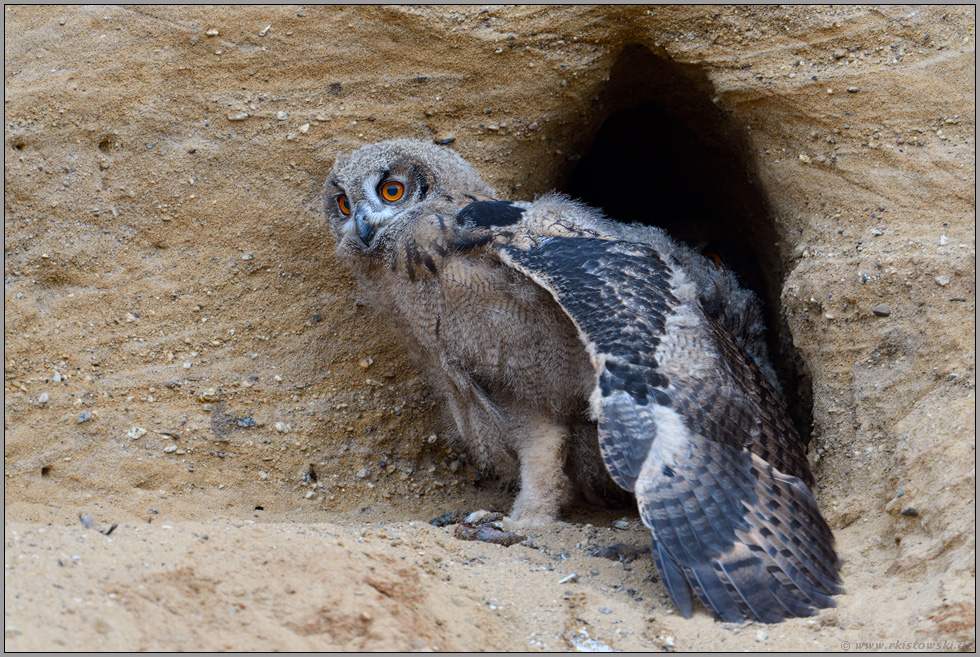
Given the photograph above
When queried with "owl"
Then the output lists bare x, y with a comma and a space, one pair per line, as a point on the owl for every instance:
584, 361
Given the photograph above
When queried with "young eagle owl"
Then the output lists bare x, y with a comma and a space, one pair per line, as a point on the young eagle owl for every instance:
584, 358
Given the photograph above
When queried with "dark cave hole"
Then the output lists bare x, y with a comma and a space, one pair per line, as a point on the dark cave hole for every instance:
664, 154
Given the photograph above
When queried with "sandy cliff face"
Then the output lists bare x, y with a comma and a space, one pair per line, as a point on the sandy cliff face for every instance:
184, 357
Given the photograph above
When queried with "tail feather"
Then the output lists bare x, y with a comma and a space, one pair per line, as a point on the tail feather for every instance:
674, 581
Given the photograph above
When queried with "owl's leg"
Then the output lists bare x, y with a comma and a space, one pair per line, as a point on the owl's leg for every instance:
544, 485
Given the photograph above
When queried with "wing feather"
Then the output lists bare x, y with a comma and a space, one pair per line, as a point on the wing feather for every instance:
674, 580
719, 473
804, 569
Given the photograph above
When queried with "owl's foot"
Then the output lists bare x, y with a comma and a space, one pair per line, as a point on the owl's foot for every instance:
514, 523
544, 484
532, 510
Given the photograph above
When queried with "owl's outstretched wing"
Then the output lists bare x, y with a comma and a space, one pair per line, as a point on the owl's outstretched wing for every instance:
688, 423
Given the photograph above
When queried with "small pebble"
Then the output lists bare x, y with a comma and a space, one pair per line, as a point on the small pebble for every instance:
910, 511
761, 636
877, 231
136, 433
881, 311
84, 416
265, 31
361, 474
304, 128
212, 32
170, 448
942, 281
209, 395
281, 115
241, 116
442, 140
57, 377
621, 524
366, 362
43, 398
605, 610
853, 90
282, 427
569, 578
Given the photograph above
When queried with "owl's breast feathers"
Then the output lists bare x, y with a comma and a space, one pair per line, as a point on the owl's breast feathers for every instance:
685, 418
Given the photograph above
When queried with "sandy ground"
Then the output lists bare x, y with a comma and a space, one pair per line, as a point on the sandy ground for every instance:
184, 361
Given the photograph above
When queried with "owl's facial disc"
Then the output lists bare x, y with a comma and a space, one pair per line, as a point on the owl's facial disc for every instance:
371, 194
383, 199
368, 222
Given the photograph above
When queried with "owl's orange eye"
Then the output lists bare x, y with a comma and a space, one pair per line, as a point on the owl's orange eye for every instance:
344, 204
392, 190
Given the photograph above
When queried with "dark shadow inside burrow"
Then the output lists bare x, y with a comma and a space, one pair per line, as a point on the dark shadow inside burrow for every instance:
664, 153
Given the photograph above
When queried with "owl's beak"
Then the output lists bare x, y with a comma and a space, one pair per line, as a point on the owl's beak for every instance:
364, 230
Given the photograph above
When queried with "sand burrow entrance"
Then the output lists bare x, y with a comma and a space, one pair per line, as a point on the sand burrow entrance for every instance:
663, 153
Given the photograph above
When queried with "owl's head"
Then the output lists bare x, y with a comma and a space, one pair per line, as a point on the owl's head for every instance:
372, 194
